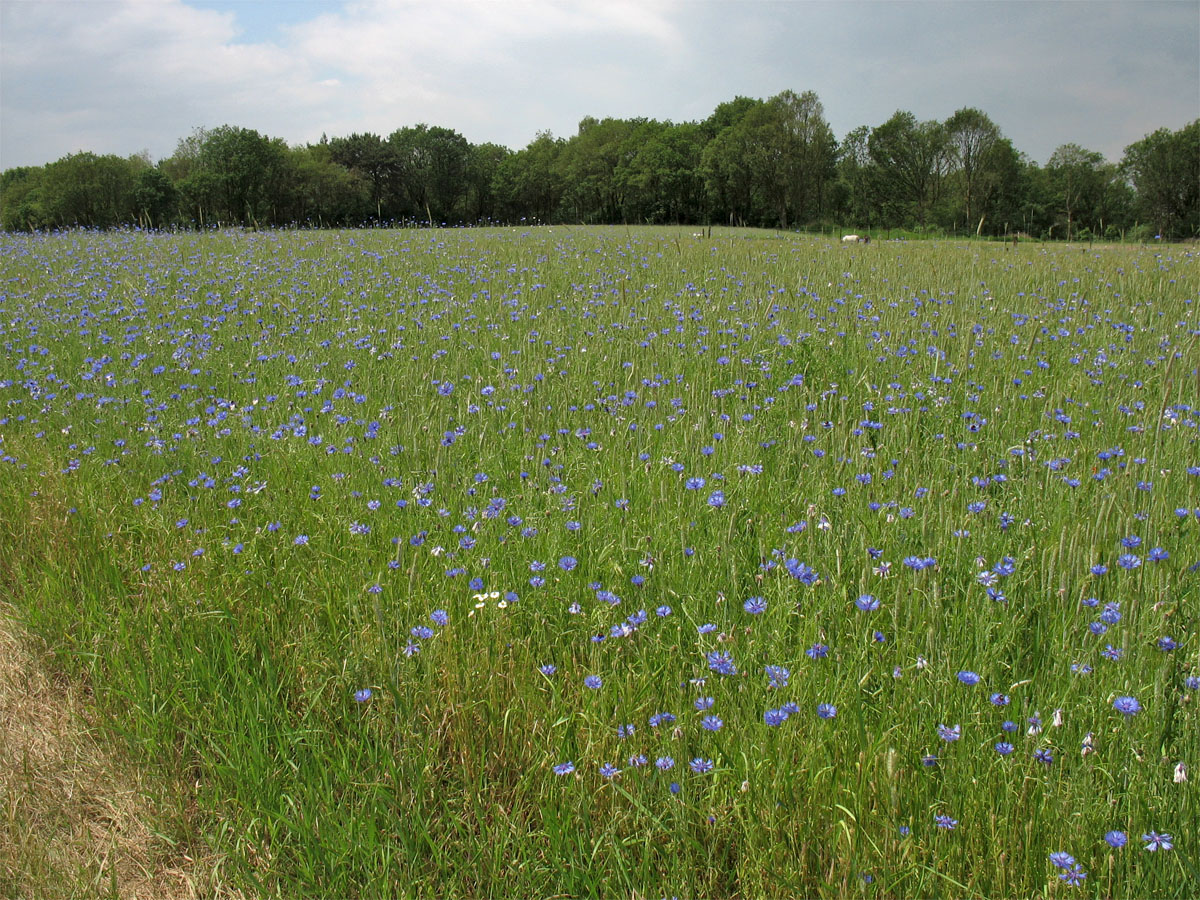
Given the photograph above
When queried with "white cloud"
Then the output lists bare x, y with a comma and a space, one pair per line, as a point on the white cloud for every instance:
116, 76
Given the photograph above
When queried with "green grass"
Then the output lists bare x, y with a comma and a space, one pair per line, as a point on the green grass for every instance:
236, 672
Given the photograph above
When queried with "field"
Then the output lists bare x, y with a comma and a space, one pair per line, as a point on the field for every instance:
621, 562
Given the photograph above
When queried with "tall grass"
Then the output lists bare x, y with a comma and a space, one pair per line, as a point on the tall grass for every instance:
241, 472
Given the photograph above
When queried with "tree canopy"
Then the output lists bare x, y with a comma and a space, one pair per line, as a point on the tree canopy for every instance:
773, 162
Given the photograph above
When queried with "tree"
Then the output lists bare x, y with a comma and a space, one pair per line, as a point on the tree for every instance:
154, 198
482, 165
806, 154
431, 168
971, 136
20, 198
371, 158
87, 190
240, 177
910, 162
529, 184
856, 179
1076, 181
663, 177
1164, 168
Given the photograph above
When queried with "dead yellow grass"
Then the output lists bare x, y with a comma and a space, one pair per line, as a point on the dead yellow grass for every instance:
76, 818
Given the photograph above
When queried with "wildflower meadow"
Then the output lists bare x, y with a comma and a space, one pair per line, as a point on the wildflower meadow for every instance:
617, 561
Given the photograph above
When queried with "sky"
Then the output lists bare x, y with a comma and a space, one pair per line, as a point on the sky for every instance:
132, 76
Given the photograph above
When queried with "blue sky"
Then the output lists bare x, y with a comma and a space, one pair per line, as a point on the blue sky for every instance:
125, 76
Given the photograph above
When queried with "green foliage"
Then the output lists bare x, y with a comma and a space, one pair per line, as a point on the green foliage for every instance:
769, 163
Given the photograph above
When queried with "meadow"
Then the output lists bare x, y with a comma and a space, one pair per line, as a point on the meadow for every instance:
623, 562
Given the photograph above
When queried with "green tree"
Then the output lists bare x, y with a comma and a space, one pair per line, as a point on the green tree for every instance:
910, 159
1164, 168
20, 198
87, 190
431, 169
154, 198
663, 178
1076, 180
372, 158
971, 137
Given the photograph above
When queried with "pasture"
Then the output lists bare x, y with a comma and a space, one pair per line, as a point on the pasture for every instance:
622, 562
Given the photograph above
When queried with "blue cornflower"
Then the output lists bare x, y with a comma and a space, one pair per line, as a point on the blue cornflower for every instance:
1062, 860
999, 699
1004, 748
1129, 560
1044, 755
593, 682
817, 651
707, 628
712, 723
1073, 876
1155, 841
700, 766
674, 787
662, 612
301, 540
439, 617
716, 499
1116, 839
777, 676
608, 770
775, 717
564, 768
567, 563
867, 603
363, 695
949, 733
826, 710
1166, 644
721, 663
663, 763
968, 678
694, 483
548, 669
755, 606
1099, 569
703, 703
1127, 706
421, 632
944, 821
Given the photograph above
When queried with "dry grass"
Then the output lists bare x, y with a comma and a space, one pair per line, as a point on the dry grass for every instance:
76, 818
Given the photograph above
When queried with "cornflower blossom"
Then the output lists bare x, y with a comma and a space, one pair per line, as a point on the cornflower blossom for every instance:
826, 710
867, 603
1116, 839
1155, 841
1073, 876
755, 606
944, 821
721, 663
564, 768
949, 734
1127, 706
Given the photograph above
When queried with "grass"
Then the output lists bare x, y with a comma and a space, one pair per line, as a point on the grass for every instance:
243, 471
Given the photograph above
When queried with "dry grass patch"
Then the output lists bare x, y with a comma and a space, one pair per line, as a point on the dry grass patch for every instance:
77, 819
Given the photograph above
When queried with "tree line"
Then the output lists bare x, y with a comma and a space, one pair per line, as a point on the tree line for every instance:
772, 163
